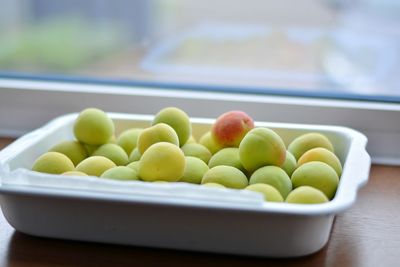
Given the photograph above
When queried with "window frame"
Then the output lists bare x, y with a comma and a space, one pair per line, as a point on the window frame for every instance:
26, 104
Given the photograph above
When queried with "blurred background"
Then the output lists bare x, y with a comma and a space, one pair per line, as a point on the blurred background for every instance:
312, 47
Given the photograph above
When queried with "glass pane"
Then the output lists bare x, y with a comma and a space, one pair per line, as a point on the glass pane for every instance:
312, 47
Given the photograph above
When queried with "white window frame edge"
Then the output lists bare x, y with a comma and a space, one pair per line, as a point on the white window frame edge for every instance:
26, 105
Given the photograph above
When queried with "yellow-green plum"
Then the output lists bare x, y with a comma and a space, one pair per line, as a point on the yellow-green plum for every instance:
261, 147
191, 140
273, 176
120, 173
318, 175
90, 148
227, 156
306, 195
93, 127
134, 166
227, 176
162, 161
95, 165
74, 173
213, 185
198, 151
128, 139
229, 128
308, 141
207, 140
113, 140
160, 132
53, 163
324, 155
113, 152
195, 169
290, 164
74, 150
135, 155
269, 192
178, 120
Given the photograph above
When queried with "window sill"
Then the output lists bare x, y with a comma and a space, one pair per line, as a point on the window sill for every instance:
26, 105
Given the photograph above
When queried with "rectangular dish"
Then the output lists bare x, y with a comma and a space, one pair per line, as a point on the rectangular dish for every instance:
175, 215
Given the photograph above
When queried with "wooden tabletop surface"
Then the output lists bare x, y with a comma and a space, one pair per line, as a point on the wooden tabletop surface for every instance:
367, 234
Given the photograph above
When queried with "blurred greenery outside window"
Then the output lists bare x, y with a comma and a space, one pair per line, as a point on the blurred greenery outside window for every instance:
306, 46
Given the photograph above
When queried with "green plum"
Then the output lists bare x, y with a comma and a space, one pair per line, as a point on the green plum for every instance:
95, 165
128, 139
308, 141
162, 161
290, 164
273, 176
260, 147
191, 140
134, 165
178, 120
113, 152
160, 132
227, 156
208, 141
195, 169
227, 176
317, 174
122, 173
324, 155
198, 151
74, 150
93, 127
135, 155
269, 192
306, 195
53, 163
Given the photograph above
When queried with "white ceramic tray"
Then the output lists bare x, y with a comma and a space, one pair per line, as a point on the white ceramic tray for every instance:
174, 215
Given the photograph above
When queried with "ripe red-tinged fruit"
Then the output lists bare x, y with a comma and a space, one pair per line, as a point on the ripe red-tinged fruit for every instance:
230, 128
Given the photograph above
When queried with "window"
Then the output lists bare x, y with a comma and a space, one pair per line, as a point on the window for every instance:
307, 61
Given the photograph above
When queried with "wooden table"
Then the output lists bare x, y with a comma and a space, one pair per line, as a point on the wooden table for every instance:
368, 234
